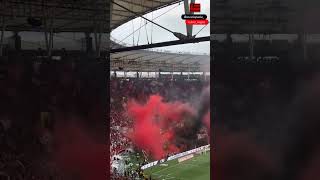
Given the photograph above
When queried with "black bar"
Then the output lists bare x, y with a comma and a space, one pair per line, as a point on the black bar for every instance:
162, 44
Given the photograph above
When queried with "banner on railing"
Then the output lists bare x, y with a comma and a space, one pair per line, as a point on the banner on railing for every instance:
176, 156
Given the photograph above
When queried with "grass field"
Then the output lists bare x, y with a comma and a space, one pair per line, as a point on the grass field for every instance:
197, 168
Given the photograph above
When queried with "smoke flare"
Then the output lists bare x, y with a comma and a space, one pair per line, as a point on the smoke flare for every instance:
154, 122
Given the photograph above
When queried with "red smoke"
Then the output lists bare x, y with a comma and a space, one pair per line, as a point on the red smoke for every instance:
77, 155
153, 123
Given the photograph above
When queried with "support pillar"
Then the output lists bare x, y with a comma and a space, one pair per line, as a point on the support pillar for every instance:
229, 39
305, 47
302, 46
251, 46
49, 37
17, 41
88, 40
303, 42
188, 71
172, 72
97, 39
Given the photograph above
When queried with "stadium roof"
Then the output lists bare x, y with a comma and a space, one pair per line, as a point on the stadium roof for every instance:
83, 15
141, 7
143, 60
67, 15
74, 15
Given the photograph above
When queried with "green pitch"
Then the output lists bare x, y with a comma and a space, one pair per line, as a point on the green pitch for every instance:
197, 168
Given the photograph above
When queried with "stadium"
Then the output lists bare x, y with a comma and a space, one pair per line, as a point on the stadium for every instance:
159, 93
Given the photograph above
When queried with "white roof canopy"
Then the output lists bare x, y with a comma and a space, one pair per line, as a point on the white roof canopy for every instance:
145, 60
142, 60
121, 16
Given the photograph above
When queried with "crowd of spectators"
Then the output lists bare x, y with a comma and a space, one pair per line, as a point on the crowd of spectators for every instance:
119, 140
139, 89
36, 94
253, 99
264, 108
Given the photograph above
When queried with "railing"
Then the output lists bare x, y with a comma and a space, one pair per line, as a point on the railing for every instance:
176, 156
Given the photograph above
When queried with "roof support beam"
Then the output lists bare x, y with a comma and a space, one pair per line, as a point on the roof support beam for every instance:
139, 15
162, 44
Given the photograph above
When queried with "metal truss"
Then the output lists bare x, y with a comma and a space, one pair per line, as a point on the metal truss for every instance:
162, 44
69, 16
154, 66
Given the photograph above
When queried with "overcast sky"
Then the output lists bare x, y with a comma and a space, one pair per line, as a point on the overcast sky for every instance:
171, 20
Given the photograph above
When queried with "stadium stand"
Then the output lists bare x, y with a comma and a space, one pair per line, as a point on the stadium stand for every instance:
45, 80
35, 97
45, 83
123, 89
137, 74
